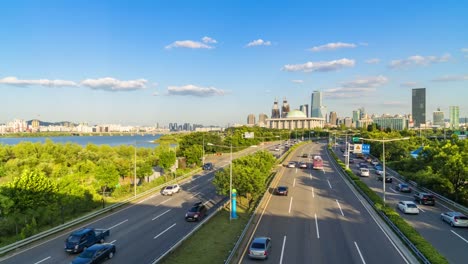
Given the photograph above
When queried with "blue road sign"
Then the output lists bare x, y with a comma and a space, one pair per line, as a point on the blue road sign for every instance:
365, 149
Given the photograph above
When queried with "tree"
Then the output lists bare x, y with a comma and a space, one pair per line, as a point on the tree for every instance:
167, 159
107, 176
193, 154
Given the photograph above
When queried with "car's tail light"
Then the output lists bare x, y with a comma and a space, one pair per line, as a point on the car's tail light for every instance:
455, 219
265, 253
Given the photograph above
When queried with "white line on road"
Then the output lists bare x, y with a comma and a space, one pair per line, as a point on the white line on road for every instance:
112, 242
192, 187
161, 215
118, 224
329, 184
392, 190
49, 258
359, 251
459, 236
290, 205
445, 206
164, 231
166, 200
316, 226
313, 195
421, 209
195, 195
296, 170
294, 182
339, 206
282, 250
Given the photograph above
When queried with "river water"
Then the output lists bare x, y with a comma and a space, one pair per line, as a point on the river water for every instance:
139, 140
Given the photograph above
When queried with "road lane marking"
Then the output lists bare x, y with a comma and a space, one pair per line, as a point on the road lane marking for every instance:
112, 242
421, 209
42, 260
160, 215
393, 190
282, 250
290, 205
195, 195
339, 206
313, 195
165, 231
459, 236
296, 170
192, 187
118, 224
316, 226
445, 207
294, 182
329, 184
359, 251
166, 200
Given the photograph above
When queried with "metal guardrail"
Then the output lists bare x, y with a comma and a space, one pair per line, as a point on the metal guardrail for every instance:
176, 245
400, 234
86, 217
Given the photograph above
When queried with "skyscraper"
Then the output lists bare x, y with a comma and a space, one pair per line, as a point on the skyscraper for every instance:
454, 113
251, 119
275, 112
316, 107
438, 117
262, 119
285, 108
419, 106
333, 118
305, 108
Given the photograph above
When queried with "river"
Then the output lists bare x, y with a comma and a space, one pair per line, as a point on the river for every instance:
141, 140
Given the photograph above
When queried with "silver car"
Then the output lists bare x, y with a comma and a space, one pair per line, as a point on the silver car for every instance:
455, 219
260, 248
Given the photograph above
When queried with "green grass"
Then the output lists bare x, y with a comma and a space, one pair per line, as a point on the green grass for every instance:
212, 242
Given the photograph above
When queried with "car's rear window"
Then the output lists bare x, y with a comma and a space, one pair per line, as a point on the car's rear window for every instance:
461, 217
429, 196
282, 188
404, 186
258, 245
411, 205
73, 239
168, 187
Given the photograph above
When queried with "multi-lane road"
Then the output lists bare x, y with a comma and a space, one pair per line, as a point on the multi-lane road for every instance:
451, 242
322, 220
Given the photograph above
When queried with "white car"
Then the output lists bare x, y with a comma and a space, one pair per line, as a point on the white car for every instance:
454, 219
364, 172
408, 207
171, 189
292, 164
303, 165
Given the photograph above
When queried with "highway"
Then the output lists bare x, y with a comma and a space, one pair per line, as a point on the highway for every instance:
322, 220
141, 232
452, 242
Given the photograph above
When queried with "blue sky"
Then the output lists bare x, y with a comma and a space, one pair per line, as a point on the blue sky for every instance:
215, 62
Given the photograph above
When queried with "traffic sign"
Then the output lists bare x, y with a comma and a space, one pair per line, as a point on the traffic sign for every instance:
366, 149
357, 148
355, 139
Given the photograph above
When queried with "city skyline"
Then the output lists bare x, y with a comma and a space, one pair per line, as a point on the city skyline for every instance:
146, 63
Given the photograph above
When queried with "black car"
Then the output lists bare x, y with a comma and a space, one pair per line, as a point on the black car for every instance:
208, 166
281, 190
197, 212
95, 254
388, 178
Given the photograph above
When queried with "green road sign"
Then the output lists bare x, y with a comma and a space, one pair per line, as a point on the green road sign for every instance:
355, 139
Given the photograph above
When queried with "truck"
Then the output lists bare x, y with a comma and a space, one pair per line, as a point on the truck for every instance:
83, 238
318, 163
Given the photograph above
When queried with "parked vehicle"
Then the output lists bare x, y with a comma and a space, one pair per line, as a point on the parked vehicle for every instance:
95, 254
196, 212
408, 207
208, 166
318, 163
364, 172
455, 219
281, 190
403, 188
260, 248
171, 189
424, 198
85, 238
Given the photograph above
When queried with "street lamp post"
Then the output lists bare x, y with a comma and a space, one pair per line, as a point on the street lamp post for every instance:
383, 158
134, 174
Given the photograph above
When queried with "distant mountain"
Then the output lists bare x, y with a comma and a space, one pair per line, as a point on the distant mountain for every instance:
44, 123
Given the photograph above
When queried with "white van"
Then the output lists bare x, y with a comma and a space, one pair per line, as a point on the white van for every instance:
365, 172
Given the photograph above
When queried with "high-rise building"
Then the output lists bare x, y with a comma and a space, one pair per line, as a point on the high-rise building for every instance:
356, 116
275, 112
392, 122
333, 118
262, 119
454, 113
284, 108
438, 118
305, 108
316, 107
251, 119
419, 106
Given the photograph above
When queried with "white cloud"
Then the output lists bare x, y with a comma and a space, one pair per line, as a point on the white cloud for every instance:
297, 81
349, 90
320, 66
395, 103
258, 42
40, 82
464, 50
419, 60
366, 82
206, 39
193, 90
333, 46
190, 44
409, 84
373, 61
111, 84
156, 93
451, 78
